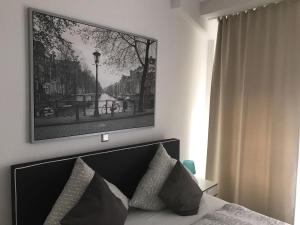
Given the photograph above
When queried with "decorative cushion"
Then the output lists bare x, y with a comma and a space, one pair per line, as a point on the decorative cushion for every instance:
146, 194
190, 165
118, 193
180, 192
77, 183
97, 206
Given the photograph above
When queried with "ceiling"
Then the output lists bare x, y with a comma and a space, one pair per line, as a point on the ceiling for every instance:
215, 8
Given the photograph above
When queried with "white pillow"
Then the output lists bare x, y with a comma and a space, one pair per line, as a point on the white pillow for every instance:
146, 194
76, 185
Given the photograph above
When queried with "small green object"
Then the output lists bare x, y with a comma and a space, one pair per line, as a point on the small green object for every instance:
190, 165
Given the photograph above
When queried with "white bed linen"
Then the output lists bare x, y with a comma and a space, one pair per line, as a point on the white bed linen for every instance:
208, 204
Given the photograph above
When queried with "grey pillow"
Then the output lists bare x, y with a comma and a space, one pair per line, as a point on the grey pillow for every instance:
118, 193
180, 192
146, 194
76, 185
97, 206
78, 181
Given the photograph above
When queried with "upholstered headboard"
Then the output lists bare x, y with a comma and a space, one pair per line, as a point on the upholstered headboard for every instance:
36, 185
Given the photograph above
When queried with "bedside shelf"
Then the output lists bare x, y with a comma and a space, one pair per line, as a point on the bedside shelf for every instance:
207, 186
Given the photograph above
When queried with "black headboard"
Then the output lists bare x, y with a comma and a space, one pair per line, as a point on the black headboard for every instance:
36, 185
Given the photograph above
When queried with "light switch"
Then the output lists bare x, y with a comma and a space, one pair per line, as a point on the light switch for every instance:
104, 137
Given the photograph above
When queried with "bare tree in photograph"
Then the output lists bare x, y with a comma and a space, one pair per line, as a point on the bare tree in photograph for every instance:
123, 49
50, 44
48, 30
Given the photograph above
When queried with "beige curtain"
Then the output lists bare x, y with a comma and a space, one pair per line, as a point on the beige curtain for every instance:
254, 115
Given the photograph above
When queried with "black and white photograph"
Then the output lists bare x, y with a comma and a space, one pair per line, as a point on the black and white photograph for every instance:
88, 79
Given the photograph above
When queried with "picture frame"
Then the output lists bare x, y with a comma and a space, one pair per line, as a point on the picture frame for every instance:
73, 63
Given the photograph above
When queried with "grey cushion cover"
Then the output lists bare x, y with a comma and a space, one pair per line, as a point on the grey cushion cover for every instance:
97, 206
146, 194
180, 192
78, 181
76, 185
118, 193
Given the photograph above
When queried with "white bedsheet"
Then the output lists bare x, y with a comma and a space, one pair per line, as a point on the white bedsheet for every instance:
208, 204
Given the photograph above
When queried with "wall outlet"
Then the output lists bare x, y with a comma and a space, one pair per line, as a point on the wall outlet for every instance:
104, 137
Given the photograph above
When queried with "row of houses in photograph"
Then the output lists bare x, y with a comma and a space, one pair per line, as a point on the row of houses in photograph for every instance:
58, 79
129, 86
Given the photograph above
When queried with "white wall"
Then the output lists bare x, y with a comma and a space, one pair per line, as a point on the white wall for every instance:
181, 76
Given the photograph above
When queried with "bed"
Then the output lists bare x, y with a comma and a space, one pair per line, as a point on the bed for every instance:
36, 185
208, 204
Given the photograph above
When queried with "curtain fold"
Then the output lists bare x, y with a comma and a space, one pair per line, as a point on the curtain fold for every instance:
254, 110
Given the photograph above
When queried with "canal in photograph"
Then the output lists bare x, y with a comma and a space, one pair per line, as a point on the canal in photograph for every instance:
103, 100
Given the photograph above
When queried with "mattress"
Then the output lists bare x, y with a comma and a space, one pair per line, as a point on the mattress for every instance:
208, 204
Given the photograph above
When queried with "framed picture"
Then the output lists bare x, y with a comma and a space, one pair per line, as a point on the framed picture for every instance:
88, 79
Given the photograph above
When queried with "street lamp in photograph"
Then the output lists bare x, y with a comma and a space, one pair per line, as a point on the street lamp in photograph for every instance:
96, 57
